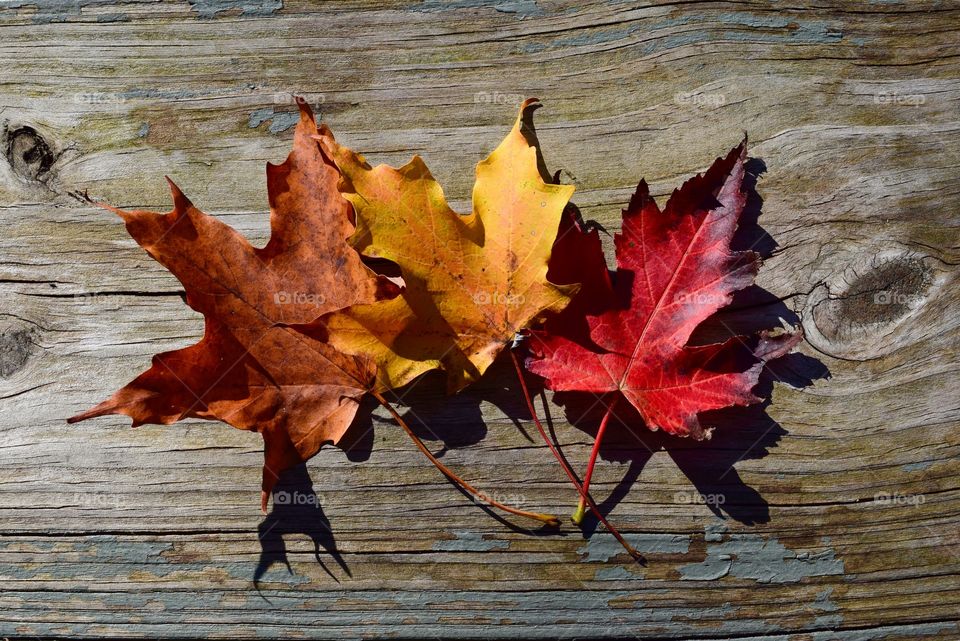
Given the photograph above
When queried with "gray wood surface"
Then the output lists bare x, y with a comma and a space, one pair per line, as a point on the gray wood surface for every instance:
831, 513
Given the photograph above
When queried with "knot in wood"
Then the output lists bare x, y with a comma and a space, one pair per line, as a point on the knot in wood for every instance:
28, 153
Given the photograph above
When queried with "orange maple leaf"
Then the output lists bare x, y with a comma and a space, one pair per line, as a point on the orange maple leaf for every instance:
250, 370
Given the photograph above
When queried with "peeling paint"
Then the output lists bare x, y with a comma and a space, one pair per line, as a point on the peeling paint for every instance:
597, 37
160, 94
248, 8
112, 17
757, 28
909, 631
615, 573
144, 130
469, 542
279, 121
603, 547
288, 613
282, 613
823, 602
749, 556
714, 532
521, 8
919, 466
260, 116
50, 11
828, 621
99, 557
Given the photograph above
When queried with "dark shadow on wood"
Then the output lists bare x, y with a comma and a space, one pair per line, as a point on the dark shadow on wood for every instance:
455, 421
627, 440
750, 235
357, 442
741, 433
296, 510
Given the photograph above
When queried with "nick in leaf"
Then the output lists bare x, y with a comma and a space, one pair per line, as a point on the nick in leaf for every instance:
625, 338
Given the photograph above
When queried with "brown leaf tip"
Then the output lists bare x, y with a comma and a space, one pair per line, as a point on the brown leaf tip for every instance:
180, 200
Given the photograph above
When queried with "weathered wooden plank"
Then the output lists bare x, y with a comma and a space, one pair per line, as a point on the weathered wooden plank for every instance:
830, 514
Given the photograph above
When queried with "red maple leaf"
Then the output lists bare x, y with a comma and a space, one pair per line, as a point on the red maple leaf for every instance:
627, 336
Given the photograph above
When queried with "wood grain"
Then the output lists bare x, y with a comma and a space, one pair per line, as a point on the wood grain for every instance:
830, 513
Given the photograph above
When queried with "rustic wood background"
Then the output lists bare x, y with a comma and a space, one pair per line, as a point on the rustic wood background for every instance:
831, 513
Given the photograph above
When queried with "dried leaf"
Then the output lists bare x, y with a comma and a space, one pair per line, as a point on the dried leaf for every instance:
471, 281
248, 370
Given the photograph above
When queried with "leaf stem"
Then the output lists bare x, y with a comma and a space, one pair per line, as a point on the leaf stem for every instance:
578, 513
581, 489
548, 519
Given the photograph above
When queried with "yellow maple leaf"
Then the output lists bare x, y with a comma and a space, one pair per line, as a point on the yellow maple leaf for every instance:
472, 281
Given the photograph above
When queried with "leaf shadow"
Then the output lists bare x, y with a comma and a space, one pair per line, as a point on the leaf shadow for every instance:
741, 434
457, 421
296, 510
